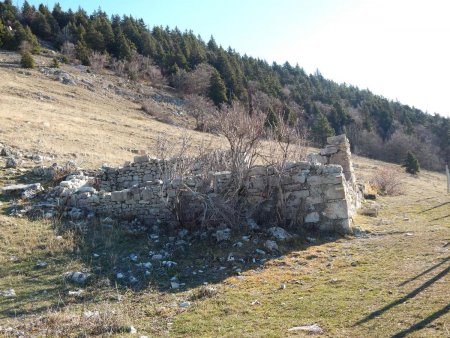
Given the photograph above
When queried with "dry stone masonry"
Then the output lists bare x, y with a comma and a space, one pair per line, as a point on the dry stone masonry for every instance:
320, 193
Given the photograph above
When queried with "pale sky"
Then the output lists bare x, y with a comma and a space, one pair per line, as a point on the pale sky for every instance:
398, 49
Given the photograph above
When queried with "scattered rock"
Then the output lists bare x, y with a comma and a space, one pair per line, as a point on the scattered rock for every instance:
261, 252
5, 152
157, 257
169, 264
8, 293
256, 302
77, 293
223, 235
185, 305
174, 285
78, 277
314, 328
41, 264
21, 188
279, 233
271, 245
252, 225
91, 314
12, 162
132, 330
120, 275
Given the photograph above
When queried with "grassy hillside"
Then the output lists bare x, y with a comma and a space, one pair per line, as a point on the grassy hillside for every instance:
93, 122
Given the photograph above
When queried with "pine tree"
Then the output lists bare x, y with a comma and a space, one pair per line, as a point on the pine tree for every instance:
411, 164
321, 130
217, 90
2, 33
27, 60
82, 52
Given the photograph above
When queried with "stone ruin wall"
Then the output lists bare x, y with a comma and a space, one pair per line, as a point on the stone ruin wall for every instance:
320, 193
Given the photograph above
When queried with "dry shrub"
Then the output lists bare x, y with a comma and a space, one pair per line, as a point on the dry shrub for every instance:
202, 109
153, 109
194, 82
97, 61
90, 323
68, 49
387, 182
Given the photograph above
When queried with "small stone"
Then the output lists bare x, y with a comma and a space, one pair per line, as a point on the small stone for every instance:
157, 257
8, 293
185, 305
76, 293
261, 252
78, 277
307, 328
174, 285
279, 233
120, 275
223, 235
91, 314
271, 245
12, 162
252, 225
133, 257
132, 330
41, 264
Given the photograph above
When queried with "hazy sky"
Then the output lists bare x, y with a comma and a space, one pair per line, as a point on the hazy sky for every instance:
396, 48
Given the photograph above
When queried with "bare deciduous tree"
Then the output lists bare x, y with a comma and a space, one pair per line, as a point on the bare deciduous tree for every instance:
201, 109
244, 133
194, 82
68, 49
97, 61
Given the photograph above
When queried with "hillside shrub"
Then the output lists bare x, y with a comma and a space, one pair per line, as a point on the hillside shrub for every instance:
411, 164
387, 181
27, 60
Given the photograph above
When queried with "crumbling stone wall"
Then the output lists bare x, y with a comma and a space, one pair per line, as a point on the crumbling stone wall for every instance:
320, 193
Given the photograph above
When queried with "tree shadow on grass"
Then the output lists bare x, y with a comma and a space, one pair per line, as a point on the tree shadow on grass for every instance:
420, 325
410, 295
426, 271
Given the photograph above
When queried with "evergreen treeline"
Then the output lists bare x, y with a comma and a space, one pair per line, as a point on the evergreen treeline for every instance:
376, 127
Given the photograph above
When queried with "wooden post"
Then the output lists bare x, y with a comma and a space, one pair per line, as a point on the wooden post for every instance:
448, 178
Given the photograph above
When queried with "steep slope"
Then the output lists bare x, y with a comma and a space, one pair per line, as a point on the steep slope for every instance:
91, 122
